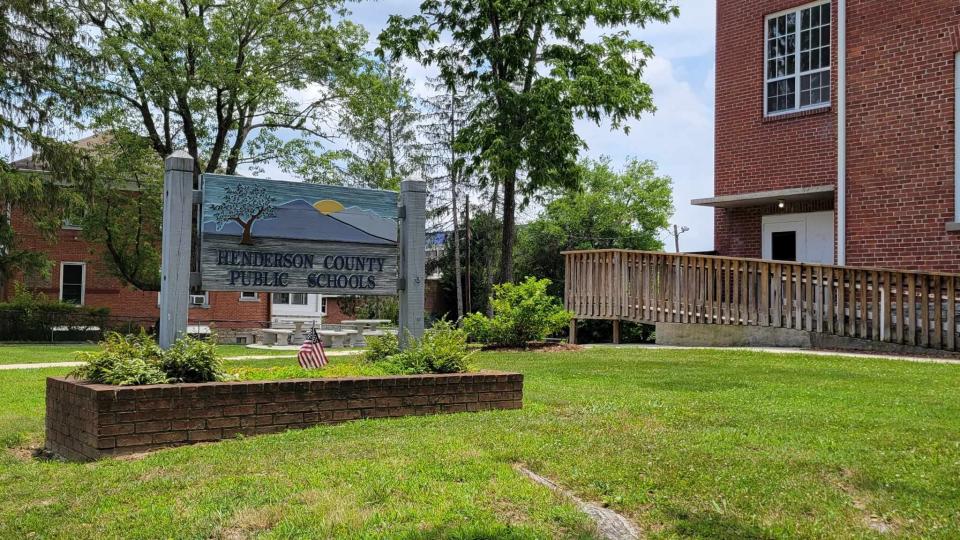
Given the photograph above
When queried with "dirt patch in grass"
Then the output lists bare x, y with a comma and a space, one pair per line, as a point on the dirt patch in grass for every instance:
249, 522
860, 501
31, 452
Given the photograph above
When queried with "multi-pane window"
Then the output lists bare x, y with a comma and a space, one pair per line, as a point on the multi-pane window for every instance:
71, 283
291, 299
797, 56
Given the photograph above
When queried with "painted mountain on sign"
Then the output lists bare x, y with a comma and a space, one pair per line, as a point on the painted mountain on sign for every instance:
301, 220
369, 221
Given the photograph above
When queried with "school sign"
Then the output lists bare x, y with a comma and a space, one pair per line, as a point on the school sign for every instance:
267, 235
263, 235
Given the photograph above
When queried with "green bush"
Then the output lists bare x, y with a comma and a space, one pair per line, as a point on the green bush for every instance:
32, 316
192, 360
442, 349
379, 348
128, 360
123, 360
522, 313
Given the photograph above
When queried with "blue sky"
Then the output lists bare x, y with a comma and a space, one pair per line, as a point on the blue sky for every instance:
679, 137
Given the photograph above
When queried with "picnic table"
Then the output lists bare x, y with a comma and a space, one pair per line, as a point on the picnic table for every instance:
333, 338
297, 337
364, 327
272, 336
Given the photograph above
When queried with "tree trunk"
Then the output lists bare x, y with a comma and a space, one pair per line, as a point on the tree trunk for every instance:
509, 227
247, 239
457, 270
488, 291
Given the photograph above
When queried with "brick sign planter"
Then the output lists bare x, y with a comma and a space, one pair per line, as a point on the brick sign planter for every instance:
91, 421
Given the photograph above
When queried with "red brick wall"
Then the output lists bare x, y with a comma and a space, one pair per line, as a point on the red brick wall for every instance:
901, 134
754, 153
90, 421
104, 290
334, 313
731, 240
900, 149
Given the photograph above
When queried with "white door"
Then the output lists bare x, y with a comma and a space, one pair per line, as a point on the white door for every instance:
804, 238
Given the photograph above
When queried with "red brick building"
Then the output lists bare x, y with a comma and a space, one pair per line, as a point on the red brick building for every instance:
836, 136
79, 274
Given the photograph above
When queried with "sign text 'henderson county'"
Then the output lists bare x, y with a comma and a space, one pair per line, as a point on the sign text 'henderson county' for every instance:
330, 276
295, 237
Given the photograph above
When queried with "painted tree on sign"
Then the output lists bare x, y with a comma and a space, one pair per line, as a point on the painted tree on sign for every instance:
244, 205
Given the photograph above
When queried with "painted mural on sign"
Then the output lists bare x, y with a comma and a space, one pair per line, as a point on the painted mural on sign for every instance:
270, 235
250, 208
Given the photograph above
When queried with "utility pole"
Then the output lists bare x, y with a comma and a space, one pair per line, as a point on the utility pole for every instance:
675, 233
469, 297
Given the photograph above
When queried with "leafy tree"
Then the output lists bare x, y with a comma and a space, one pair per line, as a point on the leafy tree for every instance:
381, 124
624, 210
535, 71
221, 78
244, 204
121, 183
235, 83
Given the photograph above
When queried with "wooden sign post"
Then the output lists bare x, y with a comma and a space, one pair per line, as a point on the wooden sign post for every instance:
413, 239
175, 246
293, 237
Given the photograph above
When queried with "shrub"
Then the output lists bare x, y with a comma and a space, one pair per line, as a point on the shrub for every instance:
128, 360
522, 313
192, 360
123, 360
32, 316
379, 348
442, 349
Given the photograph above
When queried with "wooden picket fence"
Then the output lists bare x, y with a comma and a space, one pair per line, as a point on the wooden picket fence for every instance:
909, 308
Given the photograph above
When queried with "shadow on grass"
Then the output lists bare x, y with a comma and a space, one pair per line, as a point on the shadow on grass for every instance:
485, 532
713, 525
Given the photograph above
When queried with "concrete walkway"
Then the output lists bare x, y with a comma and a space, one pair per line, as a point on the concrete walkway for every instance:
42, 365
773, 350
786, 350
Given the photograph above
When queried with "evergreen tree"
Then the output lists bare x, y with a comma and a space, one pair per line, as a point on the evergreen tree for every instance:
445, 117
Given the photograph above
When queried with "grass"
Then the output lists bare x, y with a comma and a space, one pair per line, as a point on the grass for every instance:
43, 353
704, 444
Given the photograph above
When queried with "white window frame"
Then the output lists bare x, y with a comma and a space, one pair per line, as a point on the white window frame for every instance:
323, 305
289, 301
83, 280
797, 73
254, 298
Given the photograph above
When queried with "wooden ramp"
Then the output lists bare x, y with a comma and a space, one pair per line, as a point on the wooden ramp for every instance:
907, 308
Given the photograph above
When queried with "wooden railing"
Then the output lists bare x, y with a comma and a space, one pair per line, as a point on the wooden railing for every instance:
909, 308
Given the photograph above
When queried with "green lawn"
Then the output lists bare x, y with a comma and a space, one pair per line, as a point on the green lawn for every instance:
41, 353
687, 443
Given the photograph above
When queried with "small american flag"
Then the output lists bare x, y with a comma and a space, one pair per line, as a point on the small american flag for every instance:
311, 355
